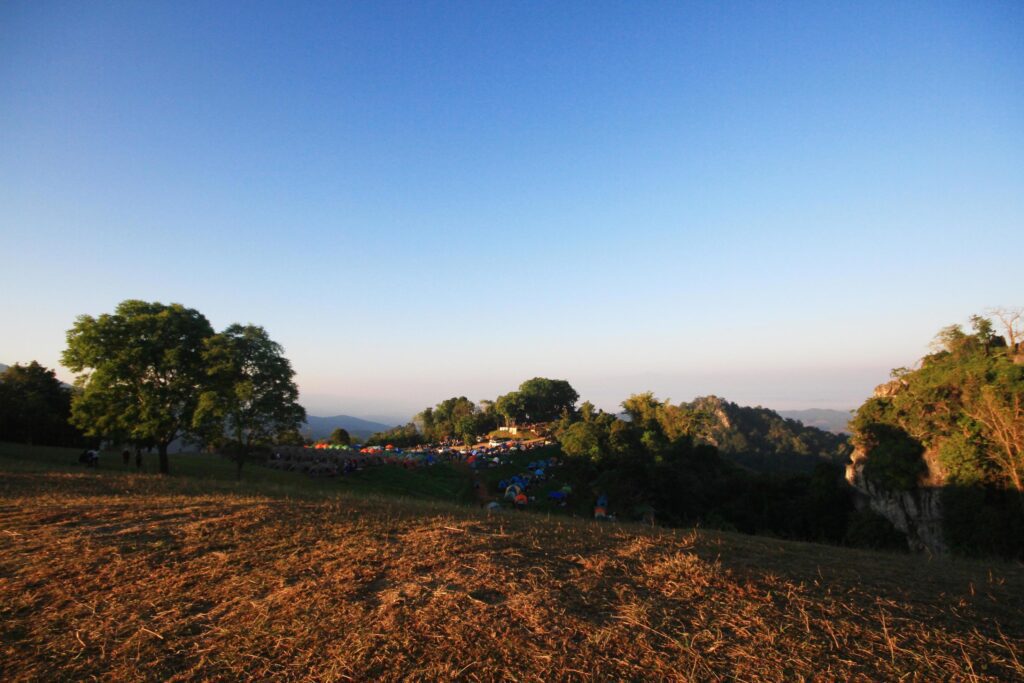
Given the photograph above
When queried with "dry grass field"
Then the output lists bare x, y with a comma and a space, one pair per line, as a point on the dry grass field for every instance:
134, 577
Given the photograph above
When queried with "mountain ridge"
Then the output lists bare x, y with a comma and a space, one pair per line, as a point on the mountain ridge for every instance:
318, 427
764, 439
827, 419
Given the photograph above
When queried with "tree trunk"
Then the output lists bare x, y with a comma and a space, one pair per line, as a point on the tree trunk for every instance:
240, 460
165, 467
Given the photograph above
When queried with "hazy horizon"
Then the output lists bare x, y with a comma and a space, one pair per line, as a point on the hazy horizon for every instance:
852, 388
776, 204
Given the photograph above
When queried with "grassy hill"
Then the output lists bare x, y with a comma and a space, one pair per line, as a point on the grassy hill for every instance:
135, 577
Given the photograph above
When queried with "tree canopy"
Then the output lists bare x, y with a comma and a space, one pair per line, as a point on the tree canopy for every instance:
153, 372
653, 461
401, 436
340, 437
250, 398
757, 438
970, 388
537, 400
455, 418
144, 371
955, 422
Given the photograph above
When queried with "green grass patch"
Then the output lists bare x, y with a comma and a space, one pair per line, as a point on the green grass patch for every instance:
198, 472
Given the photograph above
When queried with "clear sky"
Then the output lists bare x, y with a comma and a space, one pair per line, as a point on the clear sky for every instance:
774, 202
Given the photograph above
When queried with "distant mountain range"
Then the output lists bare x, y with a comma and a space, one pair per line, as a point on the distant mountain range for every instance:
358, 428
834, 421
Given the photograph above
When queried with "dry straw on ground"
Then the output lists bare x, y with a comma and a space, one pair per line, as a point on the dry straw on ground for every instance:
140, 582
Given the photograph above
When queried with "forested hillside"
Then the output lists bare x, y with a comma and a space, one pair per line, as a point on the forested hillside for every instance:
658, 463
759, 438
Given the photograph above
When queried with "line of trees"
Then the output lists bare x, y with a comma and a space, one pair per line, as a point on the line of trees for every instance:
653, 463
35, 408
537, 400
152, 373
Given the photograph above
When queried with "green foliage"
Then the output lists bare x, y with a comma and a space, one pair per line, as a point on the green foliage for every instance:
546, 399
291, 437
35, 407
153, 372
340, 437
963, 459
456, 418
649, 462
584, 440
403, 437
512, 407
538, 400
757, 438
895, 463
250, 399
962, 410
964, 402
144, 371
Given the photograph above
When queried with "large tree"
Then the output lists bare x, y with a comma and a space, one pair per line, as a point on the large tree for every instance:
143, 371
546, 399
251, 398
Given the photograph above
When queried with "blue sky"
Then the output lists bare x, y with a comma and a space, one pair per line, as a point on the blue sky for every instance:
772, 202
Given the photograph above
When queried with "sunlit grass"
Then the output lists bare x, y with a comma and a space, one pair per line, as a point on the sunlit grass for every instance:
122, 576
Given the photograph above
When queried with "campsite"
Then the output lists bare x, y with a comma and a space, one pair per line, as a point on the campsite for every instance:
588, 546
504, 341
112, 573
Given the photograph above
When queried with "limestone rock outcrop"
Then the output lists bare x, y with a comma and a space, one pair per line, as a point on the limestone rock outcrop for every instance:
917, 513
